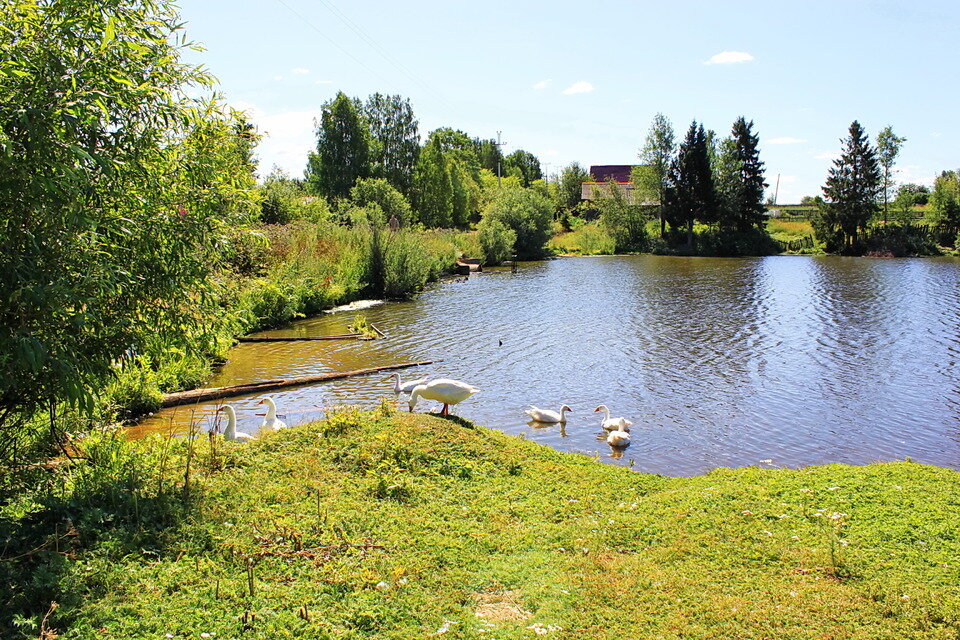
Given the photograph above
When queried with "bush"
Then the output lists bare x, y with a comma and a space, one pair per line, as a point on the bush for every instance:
594, 240
496, 241
528, 214
377, 191
730, 242
279, 198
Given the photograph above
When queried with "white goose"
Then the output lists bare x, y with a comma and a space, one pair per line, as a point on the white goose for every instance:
546, 415
404, 387
442, 390
231, 433
271, 422
612, 424
619, 438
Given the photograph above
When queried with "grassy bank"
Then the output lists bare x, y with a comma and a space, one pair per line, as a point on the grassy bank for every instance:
384, 525
275, 274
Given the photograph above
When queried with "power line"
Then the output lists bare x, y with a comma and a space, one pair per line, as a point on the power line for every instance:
383, 52
331, 41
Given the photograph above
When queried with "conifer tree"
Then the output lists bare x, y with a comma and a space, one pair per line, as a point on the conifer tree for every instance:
852, 189
748, 205
690, 194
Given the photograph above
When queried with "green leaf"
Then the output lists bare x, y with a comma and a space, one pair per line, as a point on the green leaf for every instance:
110, 33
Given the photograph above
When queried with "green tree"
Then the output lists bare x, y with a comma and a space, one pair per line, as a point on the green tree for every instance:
852, 189
394, 140
116, 190
657, 152
726, 167
496, 240
626, 223
946, 199
279, 194
389, 201
690, 192
488, 154
526, 163
571, 185
527, 213
888, 148
433, 189
747, 207
343, 149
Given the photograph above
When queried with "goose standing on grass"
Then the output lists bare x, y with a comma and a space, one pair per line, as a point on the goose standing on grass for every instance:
271, 422
442, 390
612, 424
619, 438
404, 387
546, 415
231, 433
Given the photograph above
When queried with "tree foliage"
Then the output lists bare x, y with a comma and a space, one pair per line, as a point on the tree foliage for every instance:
527, 213
626, 223
115, 189
527, 164
389, 201
343, 149
394, 140
851, 192
888, 148
433, 189
748, 208
946, 199
690, 191
657, 153
571, 185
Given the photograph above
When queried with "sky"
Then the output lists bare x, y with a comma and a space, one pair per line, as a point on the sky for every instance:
571, 81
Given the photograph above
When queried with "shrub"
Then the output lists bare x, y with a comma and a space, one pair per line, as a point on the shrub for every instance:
594, 240
496, 241
528, 214
279, 198
378, 191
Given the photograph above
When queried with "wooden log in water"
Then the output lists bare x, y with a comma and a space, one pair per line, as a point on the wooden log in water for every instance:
215, 393
339, 336
374, 327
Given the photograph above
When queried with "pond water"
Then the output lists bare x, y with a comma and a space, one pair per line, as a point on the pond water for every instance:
782, 361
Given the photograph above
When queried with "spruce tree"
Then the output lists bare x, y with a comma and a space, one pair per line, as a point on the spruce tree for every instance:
690, 194
748, 204
853, 187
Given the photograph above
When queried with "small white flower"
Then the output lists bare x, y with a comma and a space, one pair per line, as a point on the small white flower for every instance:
747, 512
794, 537
793, 593
904, 597
767, 532
402, 581
445, 627
382, 586
204, 635
832, 488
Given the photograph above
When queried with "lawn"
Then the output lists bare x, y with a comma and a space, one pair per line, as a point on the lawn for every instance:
392, 525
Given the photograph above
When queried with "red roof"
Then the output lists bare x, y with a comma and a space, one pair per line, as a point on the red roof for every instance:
603, 172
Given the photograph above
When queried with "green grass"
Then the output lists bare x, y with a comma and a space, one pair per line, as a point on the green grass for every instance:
383, 525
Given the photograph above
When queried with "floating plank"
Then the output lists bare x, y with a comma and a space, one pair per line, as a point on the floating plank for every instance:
339, 336
215, 393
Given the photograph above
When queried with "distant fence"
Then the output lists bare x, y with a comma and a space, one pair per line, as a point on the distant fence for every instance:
796, 245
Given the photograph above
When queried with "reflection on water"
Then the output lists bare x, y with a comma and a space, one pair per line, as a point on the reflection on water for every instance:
780, 361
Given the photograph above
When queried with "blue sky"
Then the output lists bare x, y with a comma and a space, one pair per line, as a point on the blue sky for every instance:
571, 81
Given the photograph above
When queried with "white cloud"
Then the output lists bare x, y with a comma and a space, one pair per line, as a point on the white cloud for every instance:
300, 71
324, 81
730, 57
827, 155
578, 87
785, 140
543, 84
288, 136
913, 173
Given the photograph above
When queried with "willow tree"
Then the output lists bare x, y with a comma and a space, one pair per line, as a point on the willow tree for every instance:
114, 189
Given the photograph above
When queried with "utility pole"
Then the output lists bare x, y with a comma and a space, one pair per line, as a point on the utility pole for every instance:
776, 190
499, 155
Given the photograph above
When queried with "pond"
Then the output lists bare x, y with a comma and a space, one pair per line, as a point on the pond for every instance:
782, 361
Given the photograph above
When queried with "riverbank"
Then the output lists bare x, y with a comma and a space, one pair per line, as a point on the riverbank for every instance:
384, 524
275, 274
